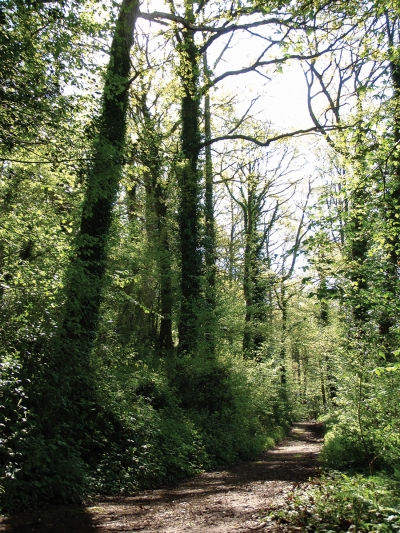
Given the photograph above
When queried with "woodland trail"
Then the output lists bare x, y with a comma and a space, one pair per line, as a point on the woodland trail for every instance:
225, 501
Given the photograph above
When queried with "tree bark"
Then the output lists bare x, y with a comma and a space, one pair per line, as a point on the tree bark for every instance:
392, 205
188, 174
88, 262
209, 238
156, 222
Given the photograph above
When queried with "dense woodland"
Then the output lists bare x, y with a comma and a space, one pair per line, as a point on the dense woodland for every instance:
180, 277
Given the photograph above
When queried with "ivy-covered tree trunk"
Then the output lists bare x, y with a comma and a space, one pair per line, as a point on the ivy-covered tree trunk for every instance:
67, 403
64, 428
188, 174
247, 273
392, 204
356, 236
209, 238
284, 309
358, 244
328, 380
88, 262
165, 341
255, 289
157, 223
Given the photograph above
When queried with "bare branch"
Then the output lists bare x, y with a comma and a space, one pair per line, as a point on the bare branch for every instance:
160, 17
315, 129
244, 116
275, 61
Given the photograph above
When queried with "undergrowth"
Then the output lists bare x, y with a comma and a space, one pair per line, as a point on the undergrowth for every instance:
339, 502
185, 418
150, 423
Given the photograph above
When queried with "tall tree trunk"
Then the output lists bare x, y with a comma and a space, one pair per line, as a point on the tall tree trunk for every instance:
189, 211
62, 392
209, 239
86, 272
231, 245
284, 310
165, 341
85, 276
327, 376
254, 287
359, 246
247, 274
392, 205
156, 217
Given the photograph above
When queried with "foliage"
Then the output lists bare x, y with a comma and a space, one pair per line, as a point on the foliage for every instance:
50, 465
182, 416
39, 57
339, 503
364, 428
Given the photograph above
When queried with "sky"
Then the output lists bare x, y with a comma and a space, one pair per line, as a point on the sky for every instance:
286, 99
283, 100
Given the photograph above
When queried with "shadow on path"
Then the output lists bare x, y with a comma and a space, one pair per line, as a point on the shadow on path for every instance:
53, 518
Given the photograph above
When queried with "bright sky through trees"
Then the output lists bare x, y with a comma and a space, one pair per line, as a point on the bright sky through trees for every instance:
283, 99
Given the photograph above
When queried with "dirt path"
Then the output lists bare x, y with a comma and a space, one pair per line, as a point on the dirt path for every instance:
226, 501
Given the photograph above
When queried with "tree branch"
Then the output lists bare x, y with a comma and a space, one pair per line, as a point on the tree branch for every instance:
160, 16
315, 129
276, 61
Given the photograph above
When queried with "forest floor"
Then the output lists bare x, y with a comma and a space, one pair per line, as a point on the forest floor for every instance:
230, 500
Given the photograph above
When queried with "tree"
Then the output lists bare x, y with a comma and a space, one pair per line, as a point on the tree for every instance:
187, 22
188, 177
86, 274
35, 46
149, 153
255, 184
61, 394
